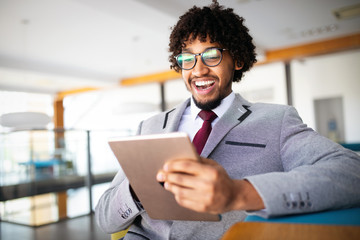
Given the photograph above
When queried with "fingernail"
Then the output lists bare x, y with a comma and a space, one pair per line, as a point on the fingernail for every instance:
160, 177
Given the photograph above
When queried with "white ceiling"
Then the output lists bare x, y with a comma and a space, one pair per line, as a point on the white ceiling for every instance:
57, 45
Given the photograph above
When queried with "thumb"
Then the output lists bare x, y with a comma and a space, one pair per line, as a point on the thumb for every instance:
209, 161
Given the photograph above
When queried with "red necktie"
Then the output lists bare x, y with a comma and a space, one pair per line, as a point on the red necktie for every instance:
204, 132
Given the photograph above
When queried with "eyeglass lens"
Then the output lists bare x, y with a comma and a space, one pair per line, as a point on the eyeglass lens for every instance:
210, 57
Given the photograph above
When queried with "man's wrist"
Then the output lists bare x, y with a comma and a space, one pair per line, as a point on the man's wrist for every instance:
247, 198
136, 199
133, 194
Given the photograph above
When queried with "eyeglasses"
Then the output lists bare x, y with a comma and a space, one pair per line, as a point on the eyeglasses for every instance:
210, 57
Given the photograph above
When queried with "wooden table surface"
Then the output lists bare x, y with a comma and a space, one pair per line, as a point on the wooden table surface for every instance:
278, 231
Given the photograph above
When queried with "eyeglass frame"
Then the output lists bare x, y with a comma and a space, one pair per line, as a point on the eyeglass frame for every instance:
202, 59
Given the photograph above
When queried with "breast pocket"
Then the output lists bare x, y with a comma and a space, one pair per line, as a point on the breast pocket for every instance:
246, 144
244, 157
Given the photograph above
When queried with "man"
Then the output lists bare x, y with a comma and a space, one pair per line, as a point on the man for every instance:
258, 158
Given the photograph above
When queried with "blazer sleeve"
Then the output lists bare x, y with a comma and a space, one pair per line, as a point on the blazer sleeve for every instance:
318, 173
116, 209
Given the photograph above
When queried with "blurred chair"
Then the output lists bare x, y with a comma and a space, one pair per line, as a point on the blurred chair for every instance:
352, 146
119, 235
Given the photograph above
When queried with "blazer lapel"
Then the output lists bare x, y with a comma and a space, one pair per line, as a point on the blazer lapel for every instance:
172, 118
234, 115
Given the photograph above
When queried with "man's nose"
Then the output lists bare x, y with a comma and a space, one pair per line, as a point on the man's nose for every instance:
200, 68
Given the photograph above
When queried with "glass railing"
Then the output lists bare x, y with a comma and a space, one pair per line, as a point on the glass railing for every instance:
49, 175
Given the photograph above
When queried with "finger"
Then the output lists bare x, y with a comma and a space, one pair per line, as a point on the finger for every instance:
209, 161
195, 204
161, 176
187, 194
184, 166
185, 180
190, 166
191, 188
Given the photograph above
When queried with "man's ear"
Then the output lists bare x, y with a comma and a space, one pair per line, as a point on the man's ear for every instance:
239, 65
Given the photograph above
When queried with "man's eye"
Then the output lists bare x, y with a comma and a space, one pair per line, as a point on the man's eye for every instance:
211, 55
187, 59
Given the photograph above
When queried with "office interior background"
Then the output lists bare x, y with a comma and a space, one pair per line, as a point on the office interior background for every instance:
75, 73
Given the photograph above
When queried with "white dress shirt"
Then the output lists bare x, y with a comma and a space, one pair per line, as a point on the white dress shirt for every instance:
190, 122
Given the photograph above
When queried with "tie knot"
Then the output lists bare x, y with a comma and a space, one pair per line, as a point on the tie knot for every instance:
207, 115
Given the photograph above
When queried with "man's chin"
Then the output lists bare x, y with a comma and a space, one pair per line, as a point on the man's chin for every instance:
208, 105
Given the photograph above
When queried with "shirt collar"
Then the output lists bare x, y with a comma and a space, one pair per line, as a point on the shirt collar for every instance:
219, 110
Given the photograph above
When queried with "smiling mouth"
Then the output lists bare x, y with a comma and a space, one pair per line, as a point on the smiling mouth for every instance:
203, 85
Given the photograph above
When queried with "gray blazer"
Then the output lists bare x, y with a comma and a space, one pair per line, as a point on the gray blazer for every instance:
294, 169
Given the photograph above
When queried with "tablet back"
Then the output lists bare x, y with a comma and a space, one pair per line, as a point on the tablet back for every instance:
141, 157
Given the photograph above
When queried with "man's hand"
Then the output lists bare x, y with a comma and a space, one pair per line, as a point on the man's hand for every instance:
206, 187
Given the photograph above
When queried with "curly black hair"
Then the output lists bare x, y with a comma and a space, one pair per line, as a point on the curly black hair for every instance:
223, 26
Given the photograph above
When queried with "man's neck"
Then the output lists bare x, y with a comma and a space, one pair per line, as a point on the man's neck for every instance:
219, 110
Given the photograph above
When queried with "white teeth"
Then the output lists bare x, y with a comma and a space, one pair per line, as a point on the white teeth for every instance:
204, 83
